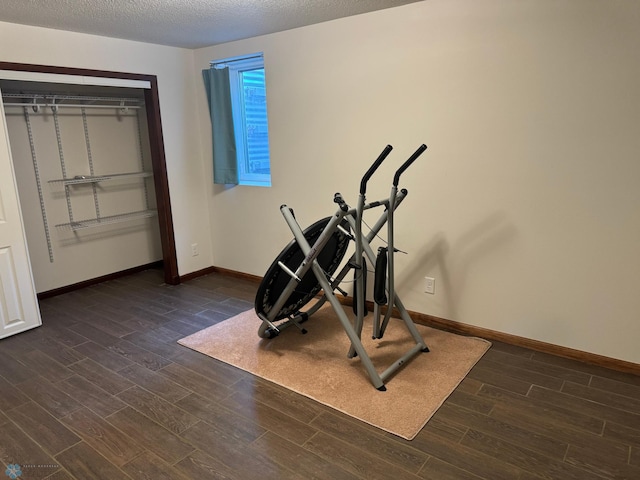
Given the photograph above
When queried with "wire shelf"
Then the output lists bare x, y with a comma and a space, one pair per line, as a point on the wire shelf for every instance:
36, 100
99, 178
98, 222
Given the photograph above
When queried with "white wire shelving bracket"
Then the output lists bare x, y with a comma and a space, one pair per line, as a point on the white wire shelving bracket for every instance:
37, 102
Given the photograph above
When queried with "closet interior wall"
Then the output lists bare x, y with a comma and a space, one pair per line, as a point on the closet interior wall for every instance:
82, 165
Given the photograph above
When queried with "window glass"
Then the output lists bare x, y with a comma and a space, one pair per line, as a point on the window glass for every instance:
249, 104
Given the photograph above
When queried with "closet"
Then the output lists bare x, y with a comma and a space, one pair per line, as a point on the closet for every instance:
85, 173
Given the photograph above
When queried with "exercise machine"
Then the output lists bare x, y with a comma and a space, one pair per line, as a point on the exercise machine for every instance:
308, 263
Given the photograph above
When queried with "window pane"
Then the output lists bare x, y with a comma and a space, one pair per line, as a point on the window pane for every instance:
255, 116
249, 109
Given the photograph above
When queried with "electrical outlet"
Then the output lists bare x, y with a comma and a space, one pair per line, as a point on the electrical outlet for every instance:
194, 250
430, 285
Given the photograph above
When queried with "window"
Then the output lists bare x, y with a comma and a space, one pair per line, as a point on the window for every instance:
249, 106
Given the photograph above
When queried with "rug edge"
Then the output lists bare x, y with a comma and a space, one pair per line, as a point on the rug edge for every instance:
433, 412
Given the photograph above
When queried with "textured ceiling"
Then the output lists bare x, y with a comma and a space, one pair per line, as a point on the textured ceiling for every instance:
183, 23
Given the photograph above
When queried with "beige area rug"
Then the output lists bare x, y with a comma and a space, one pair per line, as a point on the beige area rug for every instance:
316, 365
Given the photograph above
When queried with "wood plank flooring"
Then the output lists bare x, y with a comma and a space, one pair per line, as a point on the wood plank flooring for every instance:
103, 391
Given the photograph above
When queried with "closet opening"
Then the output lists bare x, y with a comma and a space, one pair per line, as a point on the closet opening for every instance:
90, 170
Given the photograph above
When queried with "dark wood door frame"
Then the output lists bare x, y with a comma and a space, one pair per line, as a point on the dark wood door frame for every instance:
156, 141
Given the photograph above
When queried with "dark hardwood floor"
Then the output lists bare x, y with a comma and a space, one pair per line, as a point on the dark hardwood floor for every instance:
103, 391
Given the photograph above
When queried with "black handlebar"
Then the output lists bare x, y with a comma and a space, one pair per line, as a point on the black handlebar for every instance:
373, 168
406, 164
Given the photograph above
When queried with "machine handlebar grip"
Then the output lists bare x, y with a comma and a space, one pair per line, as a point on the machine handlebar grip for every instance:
406, 164
337, 198
373, 168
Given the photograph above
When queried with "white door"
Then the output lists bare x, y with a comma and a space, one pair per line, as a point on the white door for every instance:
18, 302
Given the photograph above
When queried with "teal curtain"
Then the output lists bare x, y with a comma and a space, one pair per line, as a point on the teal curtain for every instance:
225, 165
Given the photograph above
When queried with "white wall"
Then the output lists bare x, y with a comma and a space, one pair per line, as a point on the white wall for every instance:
525, 206
173, 68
